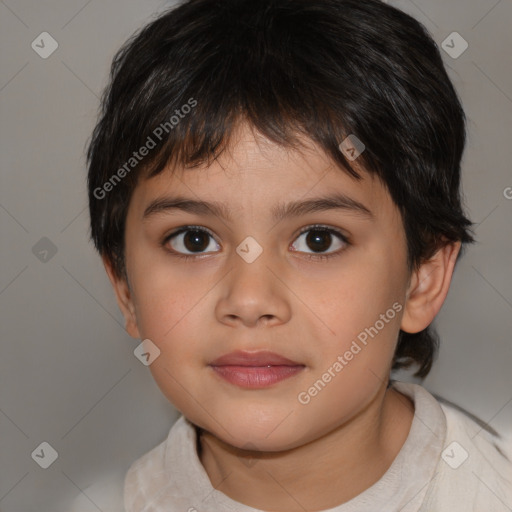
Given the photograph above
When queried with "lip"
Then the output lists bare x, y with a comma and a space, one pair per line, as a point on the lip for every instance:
260, 358
255, 369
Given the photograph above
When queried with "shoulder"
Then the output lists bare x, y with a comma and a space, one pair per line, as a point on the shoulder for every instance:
490, 450
474, 471
148, 479
145, 476
129, 490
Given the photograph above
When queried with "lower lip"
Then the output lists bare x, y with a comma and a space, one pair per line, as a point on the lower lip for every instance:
256, 376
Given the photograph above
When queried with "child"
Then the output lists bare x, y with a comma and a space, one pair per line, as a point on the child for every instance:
310, 151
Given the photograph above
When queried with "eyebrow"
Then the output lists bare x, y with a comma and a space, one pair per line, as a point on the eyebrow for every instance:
338, 201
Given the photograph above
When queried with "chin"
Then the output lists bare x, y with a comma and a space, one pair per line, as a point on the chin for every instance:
261, 432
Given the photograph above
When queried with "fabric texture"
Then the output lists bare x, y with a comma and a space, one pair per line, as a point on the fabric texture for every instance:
447, 463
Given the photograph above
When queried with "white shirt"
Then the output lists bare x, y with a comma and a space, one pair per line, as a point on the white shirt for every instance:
447, 463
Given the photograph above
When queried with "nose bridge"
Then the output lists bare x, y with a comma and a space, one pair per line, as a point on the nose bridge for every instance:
250, 268
252, 290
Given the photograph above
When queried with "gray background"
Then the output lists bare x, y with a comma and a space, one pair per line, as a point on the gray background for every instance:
68, 375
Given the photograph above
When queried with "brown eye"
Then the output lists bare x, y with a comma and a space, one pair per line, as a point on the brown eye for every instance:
195, 240
191, 240
319, 239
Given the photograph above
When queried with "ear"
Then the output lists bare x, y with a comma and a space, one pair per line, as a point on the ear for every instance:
124, 299
428, 288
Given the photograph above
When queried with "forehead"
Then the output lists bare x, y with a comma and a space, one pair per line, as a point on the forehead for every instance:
257, 175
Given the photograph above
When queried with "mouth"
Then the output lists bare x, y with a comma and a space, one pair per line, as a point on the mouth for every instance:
255, 369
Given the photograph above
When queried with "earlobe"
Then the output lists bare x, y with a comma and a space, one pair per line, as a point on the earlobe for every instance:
124, 299
428, 289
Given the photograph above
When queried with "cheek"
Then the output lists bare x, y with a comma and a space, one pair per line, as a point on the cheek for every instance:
356, 305
164, 300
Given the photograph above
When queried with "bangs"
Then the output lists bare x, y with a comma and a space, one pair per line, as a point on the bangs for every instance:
232, 88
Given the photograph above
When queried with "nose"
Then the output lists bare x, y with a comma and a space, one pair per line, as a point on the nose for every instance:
253, 293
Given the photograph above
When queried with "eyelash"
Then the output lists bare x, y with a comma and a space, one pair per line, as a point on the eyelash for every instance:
317, 227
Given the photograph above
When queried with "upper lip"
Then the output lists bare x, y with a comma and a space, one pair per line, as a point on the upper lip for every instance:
260, 358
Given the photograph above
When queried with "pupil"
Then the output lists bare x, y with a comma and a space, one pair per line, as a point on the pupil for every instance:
192, 240
315, 240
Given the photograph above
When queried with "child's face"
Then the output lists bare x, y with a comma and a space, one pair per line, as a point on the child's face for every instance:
307, 310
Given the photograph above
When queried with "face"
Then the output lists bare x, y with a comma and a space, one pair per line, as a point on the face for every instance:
317, 286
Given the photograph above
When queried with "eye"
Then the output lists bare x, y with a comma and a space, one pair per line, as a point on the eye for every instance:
193, 241
189, 238
319, 239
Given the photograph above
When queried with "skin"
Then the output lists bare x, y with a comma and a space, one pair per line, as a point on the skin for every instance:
262, 447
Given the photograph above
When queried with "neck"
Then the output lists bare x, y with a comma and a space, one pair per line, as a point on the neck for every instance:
354, 456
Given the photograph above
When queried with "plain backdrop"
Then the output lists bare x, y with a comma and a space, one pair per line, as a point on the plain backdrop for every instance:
68, 375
